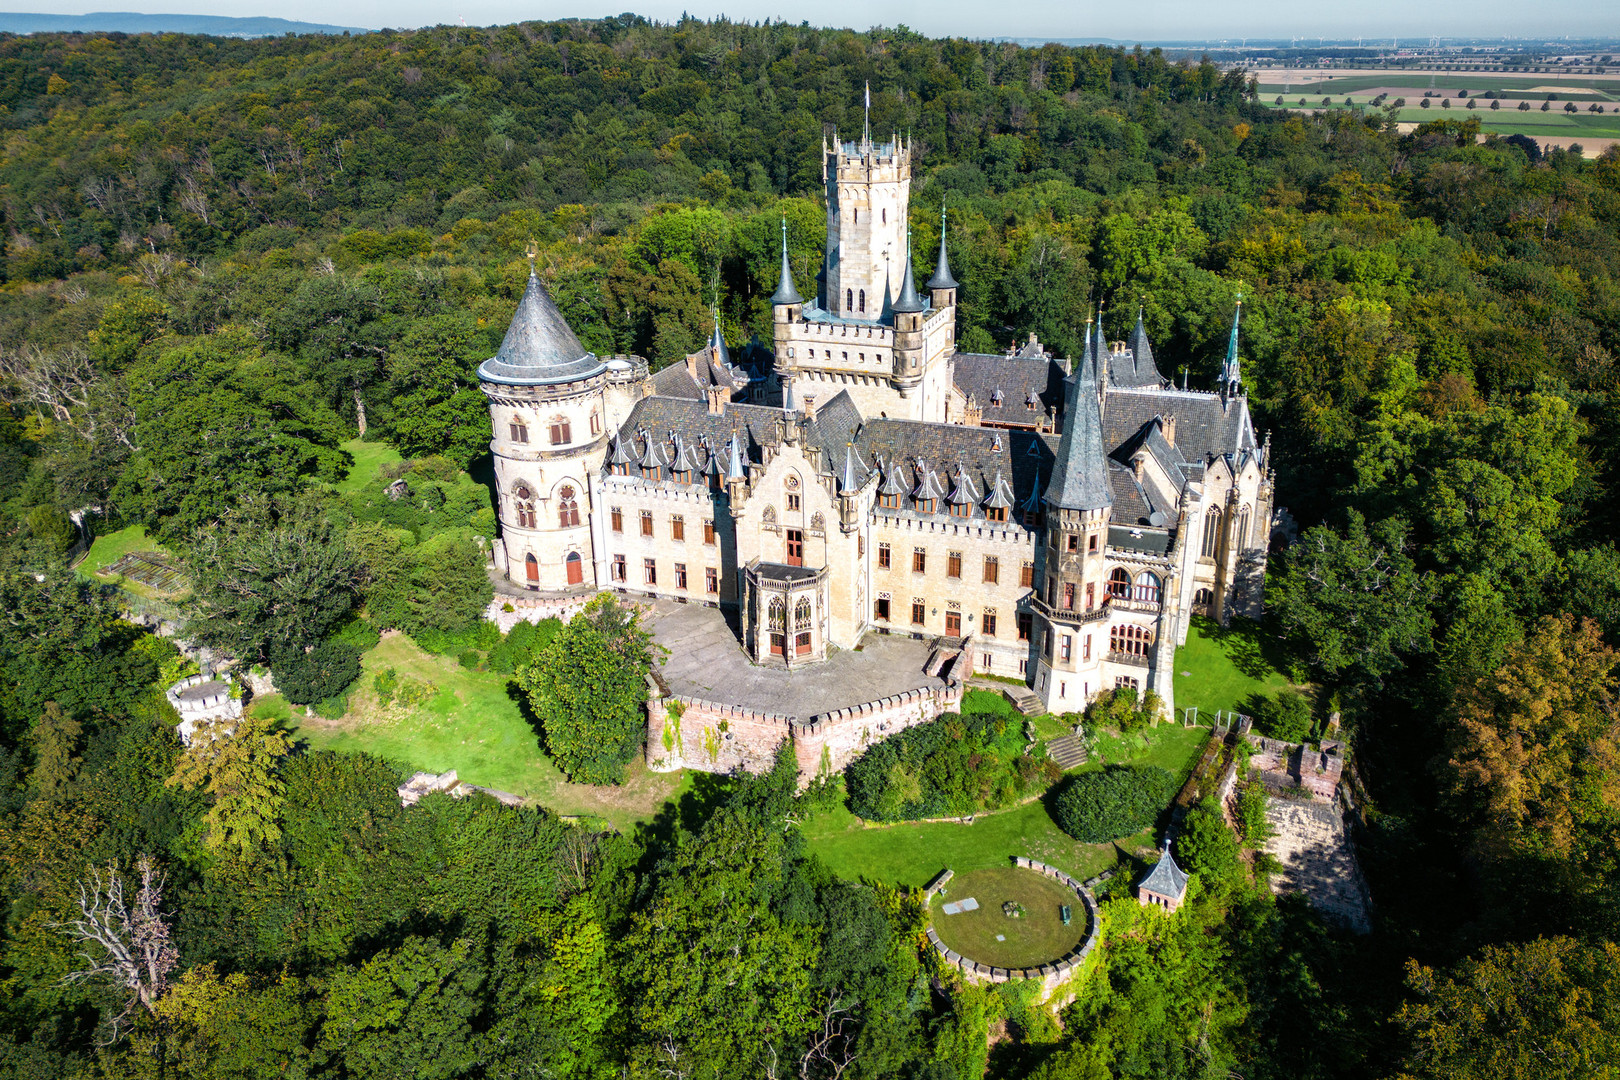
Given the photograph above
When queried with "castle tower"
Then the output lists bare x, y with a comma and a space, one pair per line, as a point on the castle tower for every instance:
1071, 598
868, 189
546, 403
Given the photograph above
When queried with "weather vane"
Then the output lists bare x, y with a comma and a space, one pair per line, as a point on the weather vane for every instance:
533, 252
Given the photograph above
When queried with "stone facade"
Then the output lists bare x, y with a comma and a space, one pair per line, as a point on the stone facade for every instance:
1063, 527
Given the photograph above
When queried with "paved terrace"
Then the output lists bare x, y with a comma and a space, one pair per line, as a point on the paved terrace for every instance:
706, 660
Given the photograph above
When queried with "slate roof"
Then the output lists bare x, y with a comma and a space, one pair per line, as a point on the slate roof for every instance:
1021, 457
1135, 366
980, 375
1079, 474
1166, 878
703, 433
540, 348
1204, 424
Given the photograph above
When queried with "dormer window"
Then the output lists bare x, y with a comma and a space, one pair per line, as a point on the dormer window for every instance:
621, 469
681, 476
995, 513
889, 502
927, 506
961, 510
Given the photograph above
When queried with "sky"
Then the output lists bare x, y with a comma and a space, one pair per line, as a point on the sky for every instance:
1151, 20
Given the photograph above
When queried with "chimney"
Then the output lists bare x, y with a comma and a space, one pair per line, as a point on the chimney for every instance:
809, 406
717, 401
692, 363
1167, 425
970, 414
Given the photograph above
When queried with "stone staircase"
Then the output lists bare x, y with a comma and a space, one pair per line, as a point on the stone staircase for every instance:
1024, 699
1068, 751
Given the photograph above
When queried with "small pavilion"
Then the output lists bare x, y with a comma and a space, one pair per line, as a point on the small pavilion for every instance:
1165, 885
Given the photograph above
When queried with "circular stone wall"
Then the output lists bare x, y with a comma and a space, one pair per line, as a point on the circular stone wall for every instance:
1038, 937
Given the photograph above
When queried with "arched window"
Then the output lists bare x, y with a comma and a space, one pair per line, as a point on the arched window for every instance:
523, 504
1204, 597
560, 432
801, 614
1147, 587
776, 615
567, 508
1119, 584
1130, 640
1243, 528
885, 217
1212, 531
849, 299
576, 568
531, 567
863, 299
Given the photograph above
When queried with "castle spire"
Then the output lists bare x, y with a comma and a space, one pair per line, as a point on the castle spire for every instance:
785, 291
1079, 468
1231, 372
909, 302
942, 278
866, 127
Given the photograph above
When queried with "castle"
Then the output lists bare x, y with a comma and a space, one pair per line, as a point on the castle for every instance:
1060, 522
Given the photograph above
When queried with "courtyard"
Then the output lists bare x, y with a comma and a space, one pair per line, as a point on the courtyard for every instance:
706, 660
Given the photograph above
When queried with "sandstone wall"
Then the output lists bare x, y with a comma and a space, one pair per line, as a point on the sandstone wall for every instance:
507, 611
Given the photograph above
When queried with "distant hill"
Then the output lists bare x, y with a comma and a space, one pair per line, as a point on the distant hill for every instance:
132, 22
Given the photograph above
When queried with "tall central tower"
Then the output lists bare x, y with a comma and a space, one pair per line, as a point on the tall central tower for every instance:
868, 190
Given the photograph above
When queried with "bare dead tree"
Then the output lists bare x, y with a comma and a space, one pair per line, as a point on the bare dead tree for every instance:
130, 948
65, 385
831, 1052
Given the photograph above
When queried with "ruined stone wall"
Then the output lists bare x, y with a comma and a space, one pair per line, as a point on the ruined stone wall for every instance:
825, 744
1286, 768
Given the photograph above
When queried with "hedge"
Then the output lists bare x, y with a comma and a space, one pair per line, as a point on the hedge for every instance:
1101, 806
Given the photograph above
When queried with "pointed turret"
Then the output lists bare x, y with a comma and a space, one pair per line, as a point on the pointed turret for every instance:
909, 302
1080, 469
942, 278
1231, 374
785, 292
734, 465
717, 345
853, 474
540, 348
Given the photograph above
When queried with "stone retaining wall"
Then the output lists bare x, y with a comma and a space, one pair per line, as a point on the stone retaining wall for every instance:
1052, 975
691, 733
532, 609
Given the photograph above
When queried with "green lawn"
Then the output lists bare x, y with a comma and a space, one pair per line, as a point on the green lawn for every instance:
912, 854
1221, 667
368, 458
1034, 938
108, 549
474, 726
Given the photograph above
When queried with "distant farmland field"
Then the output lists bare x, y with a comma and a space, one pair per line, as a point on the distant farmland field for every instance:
1475, 82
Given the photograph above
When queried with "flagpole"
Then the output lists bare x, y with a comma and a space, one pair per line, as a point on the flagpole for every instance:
866, 132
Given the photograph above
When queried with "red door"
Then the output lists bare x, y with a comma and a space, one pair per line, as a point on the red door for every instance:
531, 566
953, 624
576, 568
795, 547
801, 643
778, 644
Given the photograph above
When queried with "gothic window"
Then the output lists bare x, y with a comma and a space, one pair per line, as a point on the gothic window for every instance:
849, 299
618, 519
1243, 528
1204, 596
560, 431
576, 568
863, 300
520, 430
711, 580
677, 528
1119, 584
620, 573
680, 575
1147, 587
708, 533
1130, 640
649, 571
531, 567
883, 556
919, 612
522, 502
1212, 531
646, 523
801, 614
776, 614
880, 608
987, 624
919, 560
567, 508
1026, 575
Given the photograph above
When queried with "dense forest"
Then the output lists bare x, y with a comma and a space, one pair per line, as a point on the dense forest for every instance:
225, 259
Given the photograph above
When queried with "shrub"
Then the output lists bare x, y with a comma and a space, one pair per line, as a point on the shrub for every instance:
469, 659
1121, 800
1124, 709
1251, 815
332, 708
323, 672
521, 645
384, 683
1287, 716
949, 766
1206, 845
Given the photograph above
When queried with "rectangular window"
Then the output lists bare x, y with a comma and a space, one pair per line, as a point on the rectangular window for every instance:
596, 424
649, 570
1067, 649
708, 533
953, 564
1046, 643
619, 571
1091, 595
1051, 592
646, 523
919, 560
1026, 575
992, 570
680, 575
987, 624
995, 513
860, 544
618, 519
1091, 542
1074, 542
792, 501
880, 609
1023, 667
883, 556
1026, 623
1085, 648
918, 613
986, 661
711, 581
677, 528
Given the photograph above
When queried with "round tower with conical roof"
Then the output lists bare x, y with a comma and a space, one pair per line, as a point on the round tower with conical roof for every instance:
547, 408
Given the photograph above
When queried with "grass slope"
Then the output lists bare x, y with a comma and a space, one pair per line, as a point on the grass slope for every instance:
1221, 667
473, 725
108, 549
1038, 937
368, 458
912, 854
